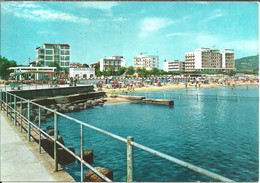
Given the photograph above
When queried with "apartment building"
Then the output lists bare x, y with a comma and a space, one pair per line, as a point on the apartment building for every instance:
146, 61
209, 59
48, 53
172, 66
114, 62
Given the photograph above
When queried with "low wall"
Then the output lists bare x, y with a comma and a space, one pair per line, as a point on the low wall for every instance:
52, 92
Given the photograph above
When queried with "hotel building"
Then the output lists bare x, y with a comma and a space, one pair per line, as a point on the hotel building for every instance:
209, 59
172, 66
48, 53
146, 61
114, 62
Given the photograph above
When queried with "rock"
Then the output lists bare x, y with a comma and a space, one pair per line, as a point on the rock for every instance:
88, 106
51, 132
94, 103
43, 118
90, 176
64, 157
101, 104
89, 101
49, 114
99, 100
87, 156
49, 127
81, 106
25, 114
76, 108
71, 109
48, 145
52, 106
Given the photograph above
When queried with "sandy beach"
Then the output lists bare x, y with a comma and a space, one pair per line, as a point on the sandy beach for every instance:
171, 86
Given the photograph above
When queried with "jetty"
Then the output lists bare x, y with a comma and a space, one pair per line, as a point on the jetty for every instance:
140, 99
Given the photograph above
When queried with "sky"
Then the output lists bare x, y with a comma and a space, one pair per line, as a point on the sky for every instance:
98, 29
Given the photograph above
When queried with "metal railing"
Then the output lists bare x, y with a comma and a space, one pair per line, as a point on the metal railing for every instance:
6, 104
170, 95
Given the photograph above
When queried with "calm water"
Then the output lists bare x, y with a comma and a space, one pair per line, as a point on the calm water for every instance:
218, 135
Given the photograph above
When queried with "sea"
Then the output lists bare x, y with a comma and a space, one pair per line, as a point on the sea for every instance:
216, 129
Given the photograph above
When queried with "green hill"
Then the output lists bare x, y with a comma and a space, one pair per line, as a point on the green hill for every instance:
247, 63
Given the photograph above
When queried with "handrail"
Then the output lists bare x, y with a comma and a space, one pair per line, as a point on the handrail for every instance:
128, 141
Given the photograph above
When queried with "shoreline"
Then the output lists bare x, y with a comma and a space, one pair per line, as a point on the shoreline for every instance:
170, 87
110, 100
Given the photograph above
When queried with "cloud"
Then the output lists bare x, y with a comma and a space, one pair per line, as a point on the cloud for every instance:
216, 14
149, 25
177, 34
36, 12
105, 6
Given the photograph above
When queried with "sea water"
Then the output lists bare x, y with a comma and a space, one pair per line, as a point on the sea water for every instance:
208, 127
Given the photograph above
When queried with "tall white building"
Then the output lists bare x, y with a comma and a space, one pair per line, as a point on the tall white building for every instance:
48, 53
146, 61
209, 59
171, 66
114, 62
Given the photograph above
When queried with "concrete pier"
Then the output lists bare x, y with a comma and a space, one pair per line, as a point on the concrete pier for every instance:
21, 160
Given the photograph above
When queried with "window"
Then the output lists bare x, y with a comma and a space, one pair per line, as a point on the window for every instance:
48, 52
49, 47
67, 58
49, 58
67, 63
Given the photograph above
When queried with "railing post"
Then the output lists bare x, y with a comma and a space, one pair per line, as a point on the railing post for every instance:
29, 126
55, 141
40, 134
21, 122
15, 113
81, 153
6, 103
129, 177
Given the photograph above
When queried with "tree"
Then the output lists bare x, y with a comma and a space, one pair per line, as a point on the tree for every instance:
97, 70
57, 65
231, 72
39, 64
144, 72
86, 65
130, 70
121, 71
110, 71
66, 70
155, 71
4, 65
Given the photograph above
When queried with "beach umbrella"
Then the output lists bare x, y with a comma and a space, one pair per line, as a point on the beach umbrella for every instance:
12, 74
101, 82
49, 74
114, 82
156, 81
132, 82
94, 83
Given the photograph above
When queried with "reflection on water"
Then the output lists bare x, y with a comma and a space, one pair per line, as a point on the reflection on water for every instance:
218, 135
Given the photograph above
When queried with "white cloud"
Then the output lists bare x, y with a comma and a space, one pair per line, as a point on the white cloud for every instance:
177, 34
38, 13
211, 18
148, 25
105, 6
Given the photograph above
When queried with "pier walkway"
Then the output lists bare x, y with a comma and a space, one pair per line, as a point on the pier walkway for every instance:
19, 159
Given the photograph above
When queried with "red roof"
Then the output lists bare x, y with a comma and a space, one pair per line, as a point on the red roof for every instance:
65, 45
97, 63
34, 62
46, 44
